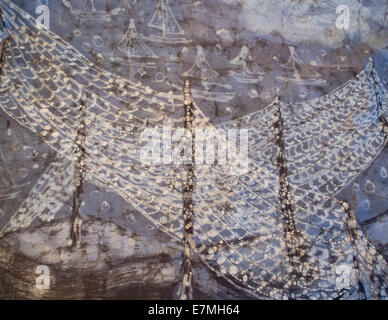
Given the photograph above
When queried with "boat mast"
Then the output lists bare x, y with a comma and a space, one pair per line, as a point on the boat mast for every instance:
93, 6
294, 59
164, 18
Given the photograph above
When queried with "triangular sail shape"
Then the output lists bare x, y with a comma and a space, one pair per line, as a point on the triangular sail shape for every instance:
201, 68
132, 44
164, 20
251, 71
296, 71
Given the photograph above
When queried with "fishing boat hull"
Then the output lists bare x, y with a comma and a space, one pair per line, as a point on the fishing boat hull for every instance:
245, 78
213, 96
210, 95
166, 40
306, 82
92, 15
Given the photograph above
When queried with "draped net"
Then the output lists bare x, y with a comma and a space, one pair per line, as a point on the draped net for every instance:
276, 231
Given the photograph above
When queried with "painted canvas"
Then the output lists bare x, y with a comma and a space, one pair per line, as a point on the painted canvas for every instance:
219, 149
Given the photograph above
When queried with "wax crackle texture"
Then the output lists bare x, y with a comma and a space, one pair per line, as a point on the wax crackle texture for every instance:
291, 94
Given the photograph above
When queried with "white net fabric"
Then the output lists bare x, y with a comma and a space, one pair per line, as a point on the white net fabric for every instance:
276, 231
44, 87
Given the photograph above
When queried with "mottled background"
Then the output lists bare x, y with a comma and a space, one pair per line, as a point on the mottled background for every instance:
122, 254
